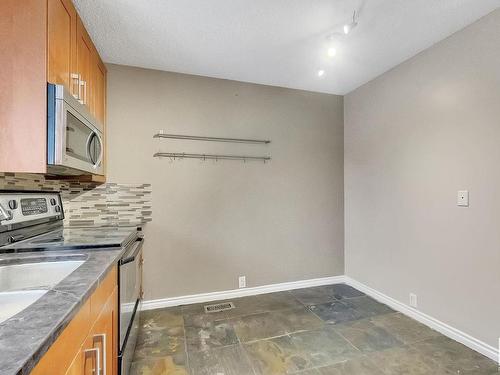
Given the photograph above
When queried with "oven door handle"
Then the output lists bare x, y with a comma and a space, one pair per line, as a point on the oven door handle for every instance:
131, 258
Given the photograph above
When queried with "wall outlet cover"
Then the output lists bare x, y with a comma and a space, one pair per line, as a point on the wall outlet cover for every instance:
242, 281
413, 300
463, 198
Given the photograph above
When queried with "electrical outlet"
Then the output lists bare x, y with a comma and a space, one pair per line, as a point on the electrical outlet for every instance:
242, 281
413, 300
463, 198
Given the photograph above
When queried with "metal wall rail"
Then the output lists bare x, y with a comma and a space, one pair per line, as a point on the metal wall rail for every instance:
211, 139
179, 155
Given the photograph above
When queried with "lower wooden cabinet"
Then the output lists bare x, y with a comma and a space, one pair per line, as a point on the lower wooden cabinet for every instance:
89, 344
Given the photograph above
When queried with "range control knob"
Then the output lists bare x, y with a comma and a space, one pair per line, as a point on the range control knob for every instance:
53, 201
5, 214
13, 204
57, 208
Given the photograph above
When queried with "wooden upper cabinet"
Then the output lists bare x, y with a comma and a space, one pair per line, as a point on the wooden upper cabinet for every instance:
61, 43
73, 60
98, 107
84, 54
43, 41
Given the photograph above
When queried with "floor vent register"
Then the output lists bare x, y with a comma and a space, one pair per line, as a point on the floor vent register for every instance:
219, 307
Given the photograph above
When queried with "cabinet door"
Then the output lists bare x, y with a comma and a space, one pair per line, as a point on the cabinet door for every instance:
61, 43
99, 92
84, 48
104, 335
85, 362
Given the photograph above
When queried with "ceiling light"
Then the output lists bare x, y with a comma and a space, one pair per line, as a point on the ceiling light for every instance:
349, 26
332, 51
321, 73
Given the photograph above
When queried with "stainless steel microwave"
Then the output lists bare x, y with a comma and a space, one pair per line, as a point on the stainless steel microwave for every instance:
74, 140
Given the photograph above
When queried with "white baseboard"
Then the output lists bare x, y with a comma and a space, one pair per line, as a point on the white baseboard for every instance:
451, 332
236, 293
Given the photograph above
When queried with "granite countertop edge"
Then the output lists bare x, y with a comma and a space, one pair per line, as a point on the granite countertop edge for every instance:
28, 335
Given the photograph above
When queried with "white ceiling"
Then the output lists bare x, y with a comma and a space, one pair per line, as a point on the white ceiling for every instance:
273, 42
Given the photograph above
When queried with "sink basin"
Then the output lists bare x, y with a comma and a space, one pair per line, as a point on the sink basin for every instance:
35, 275
14, 302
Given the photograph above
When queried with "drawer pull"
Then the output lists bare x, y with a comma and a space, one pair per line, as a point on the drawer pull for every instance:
102, 337
97, 359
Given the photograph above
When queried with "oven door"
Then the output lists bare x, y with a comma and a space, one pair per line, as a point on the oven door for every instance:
74, 143
130, 290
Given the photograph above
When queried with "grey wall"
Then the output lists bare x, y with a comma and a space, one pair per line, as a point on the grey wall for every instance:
413, 138
275, 222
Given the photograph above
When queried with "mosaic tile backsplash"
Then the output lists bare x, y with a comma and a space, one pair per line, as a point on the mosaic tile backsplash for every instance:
89, 204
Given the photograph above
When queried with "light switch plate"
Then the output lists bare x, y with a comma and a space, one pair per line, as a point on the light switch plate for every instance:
463, 198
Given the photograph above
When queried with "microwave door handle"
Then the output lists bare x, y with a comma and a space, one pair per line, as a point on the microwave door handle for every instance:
97, 161
87, 147
99, 158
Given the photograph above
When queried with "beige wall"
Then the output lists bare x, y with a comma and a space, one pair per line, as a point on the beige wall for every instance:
275, 222
413, 138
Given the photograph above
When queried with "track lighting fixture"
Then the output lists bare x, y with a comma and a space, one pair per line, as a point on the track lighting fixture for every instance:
349, 26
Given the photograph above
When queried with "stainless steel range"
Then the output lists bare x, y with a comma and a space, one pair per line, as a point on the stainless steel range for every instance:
33, 221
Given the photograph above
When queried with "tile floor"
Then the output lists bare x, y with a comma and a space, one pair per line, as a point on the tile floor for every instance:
327, 330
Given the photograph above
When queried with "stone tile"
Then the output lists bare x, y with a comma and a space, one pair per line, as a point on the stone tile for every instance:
162, 318
229, 360
342, 291
323, 347
275, 323
194, 314
455, 357
276, 356
312, 371
300, 319
159, 342
210, 336
170, 365
366, 336
258, 326
263, 303
404, 328
274, 301
405, 360
335, 312
313, 296
367, 307
356, 366
203, 319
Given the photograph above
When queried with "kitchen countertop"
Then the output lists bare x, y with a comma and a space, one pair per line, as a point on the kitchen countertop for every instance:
26, 337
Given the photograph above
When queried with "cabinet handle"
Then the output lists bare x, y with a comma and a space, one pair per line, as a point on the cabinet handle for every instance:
97, 359
82, 98
75, 78
102, 336
85, 92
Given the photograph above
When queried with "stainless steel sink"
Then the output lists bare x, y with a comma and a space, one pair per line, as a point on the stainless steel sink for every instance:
15, 302
35, 275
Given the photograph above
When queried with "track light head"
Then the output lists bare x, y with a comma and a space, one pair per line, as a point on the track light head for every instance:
349, 26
